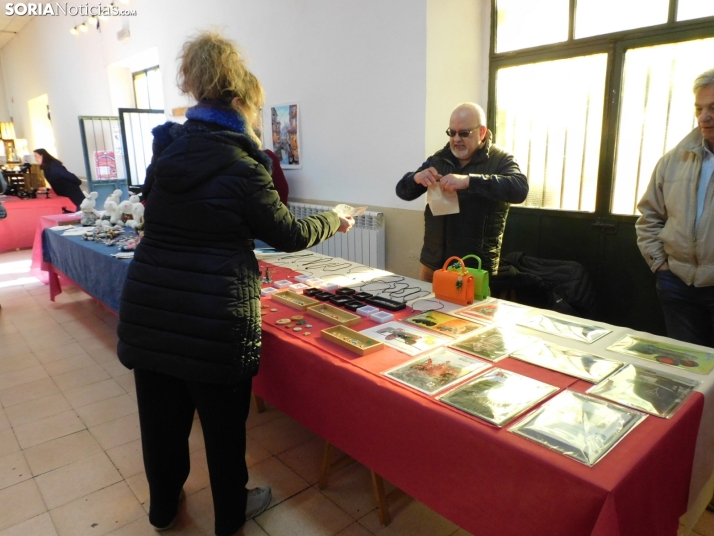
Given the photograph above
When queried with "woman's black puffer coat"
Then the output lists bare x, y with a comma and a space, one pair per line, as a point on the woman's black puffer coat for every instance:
190, 307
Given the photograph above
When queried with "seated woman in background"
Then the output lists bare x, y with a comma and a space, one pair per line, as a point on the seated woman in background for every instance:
62, 181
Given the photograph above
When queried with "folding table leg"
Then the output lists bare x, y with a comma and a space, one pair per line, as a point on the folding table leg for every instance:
259, 403
382, 504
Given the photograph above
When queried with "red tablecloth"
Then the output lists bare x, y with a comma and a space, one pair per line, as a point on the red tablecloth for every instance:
482, 478
18, 229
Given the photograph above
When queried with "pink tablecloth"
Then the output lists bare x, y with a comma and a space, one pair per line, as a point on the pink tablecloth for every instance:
18, 229
36, 269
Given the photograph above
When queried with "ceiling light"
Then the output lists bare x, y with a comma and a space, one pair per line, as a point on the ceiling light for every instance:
73, 31
83, 27
92, 20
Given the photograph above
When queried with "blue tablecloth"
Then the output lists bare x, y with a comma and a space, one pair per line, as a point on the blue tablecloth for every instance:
89, 264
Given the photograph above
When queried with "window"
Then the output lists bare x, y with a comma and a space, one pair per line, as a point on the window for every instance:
148, 91
588, 95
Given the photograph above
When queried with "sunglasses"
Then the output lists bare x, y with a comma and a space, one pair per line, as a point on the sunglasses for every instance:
462, 133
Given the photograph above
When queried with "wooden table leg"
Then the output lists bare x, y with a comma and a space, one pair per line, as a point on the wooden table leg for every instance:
259, 403
382, 503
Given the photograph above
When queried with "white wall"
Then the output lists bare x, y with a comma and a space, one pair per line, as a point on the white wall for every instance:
358, 68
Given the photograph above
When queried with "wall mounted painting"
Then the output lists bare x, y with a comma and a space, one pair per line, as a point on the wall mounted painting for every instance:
285, 135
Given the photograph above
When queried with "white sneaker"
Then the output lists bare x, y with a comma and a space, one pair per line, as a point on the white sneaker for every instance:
258, 501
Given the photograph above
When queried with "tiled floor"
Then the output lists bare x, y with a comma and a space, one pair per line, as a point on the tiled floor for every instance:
70, 452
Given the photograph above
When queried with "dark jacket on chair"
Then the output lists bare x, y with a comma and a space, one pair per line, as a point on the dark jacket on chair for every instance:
495, 182
190, 307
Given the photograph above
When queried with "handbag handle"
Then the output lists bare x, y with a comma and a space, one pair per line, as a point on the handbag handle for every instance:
474, 257
455, 258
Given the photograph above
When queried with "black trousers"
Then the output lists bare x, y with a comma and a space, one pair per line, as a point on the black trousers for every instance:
166, 410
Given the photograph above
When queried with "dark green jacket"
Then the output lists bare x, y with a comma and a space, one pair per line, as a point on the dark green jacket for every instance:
190, 306
495, 182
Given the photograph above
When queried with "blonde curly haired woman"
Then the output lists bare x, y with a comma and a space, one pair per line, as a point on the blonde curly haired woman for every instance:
190, 309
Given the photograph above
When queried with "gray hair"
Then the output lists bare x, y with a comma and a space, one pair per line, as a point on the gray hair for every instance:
706, 79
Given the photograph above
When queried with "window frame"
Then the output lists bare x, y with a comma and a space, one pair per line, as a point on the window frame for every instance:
145, 72
615, 45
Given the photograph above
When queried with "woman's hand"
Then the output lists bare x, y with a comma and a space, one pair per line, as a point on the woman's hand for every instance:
346, 223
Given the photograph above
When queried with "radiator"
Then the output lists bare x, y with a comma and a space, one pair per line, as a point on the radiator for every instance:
364, 243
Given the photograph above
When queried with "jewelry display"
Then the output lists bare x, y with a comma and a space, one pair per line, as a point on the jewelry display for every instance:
435, 301
352, 340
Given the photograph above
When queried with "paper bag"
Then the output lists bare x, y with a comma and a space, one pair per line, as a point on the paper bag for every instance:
441, 202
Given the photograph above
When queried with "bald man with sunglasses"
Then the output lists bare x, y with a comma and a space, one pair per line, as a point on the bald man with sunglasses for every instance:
486, 179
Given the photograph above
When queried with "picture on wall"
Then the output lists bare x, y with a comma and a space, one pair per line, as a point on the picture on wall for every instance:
285, 138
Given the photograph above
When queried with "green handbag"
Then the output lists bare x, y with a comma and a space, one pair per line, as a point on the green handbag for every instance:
481, 288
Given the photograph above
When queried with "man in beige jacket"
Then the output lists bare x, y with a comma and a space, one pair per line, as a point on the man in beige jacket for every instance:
675, 232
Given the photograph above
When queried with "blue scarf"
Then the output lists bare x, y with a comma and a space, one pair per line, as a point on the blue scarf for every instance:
210, 112
220, 114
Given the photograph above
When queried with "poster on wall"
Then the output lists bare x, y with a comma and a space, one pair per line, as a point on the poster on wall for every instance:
285, 135
105, 165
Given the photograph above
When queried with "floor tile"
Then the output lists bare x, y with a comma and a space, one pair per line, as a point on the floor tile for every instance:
104, 354
107, 410
37, 409
69, 364
49, 428
99, 513
195, 439
68, 312
80, 378
126, 382
17, 362
272, 472
89, 394
306, 459
128, 458
49, 341
115, 368
19, 503
140, 488
37, 526
4, 422
254, 453
22, 377
409, 516
199, 509
86, 328
252, 529
28, 391
142, 527
280, 434
117, 432
99, 343
13, 470
8, 442
355, 529
37, 324
60, 352
256, 419
61, 451
77, 479
9, 349
309, 512
705, 525
351, 489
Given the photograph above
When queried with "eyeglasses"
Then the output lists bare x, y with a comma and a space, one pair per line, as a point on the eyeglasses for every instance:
462, 133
